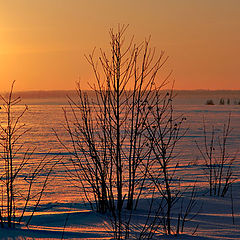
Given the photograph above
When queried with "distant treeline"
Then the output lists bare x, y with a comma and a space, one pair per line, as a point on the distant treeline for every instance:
211, 94
42, 94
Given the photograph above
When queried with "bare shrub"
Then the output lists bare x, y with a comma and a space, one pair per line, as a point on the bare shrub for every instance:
21, 187
123, 139
109, 147
165, 130
218, 162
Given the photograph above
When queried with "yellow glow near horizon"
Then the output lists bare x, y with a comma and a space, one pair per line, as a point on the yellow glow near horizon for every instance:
42, 43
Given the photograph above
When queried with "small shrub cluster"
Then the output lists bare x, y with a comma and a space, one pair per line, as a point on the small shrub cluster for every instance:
210, 102
222, 102
124, 141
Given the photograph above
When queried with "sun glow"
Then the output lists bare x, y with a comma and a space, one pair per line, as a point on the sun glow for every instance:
42, 43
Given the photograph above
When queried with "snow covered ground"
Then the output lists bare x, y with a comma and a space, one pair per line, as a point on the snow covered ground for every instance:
63, 215
215, 220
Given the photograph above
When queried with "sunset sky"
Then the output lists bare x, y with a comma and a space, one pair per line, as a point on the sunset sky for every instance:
43, 42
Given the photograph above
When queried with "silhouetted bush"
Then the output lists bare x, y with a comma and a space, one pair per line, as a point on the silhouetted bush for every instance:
209, 102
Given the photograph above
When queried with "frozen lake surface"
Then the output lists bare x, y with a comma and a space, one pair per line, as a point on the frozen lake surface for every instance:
62, 197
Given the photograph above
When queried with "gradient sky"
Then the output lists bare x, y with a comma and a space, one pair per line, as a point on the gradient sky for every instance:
43, 42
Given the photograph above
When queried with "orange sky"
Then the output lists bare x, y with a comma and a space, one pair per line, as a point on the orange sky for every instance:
43, 42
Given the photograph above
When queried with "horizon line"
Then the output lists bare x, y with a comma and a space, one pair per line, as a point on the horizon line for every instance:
71, 90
